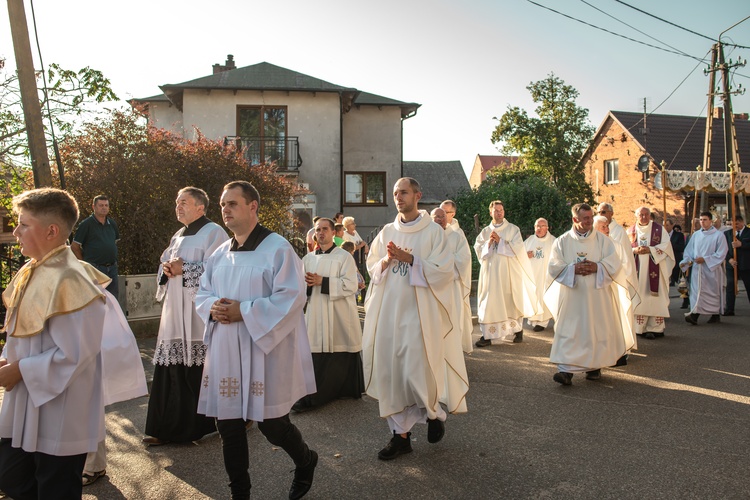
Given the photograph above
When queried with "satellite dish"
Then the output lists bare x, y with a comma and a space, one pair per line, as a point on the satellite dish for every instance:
643, 163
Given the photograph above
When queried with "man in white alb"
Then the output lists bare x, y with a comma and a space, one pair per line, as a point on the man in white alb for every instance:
411, 271
258, 362
505, 293
704, 257
538, 247
332, 320
461, 307
588, 327
654, 260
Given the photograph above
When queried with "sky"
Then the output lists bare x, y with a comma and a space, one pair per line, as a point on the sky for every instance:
465, 62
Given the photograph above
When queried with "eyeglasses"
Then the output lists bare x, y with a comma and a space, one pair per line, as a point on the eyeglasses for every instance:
603, 212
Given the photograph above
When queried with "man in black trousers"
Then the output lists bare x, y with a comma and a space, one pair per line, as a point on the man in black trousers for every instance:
678, 247
742, 263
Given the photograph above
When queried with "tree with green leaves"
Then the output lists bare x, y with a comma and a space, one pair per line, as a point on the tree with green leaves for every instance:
141, 168
69, 98
554, 141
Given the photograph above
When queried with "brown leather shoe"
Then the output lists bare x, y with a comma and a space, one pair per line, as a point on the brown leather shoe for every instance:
152, 441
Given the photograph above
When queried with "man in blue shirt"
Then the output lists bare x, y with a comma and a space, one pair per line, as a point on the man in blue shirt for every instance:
95, 241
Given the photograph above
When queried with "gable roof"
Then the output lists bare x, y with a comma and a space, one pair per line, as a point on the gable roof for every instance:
440, 180
679, 140
489, 162
269, 77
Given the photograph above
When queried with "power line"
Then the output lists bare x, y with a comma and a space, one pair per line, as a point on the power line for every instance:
613, 33
665, 21
634, 28
670, 95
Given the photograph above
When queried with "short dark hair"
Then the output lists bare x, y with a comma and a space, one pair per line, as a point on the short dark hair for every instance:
338, 227
200, 196
707, 214
496, 202
739, 217
576, 209
330, 221
337, 215
349, 246
413, 183
49, 202
100, 197
248, 190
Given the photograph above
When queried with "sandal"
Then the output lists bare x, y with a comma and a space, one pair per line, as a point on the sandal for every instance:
89, 479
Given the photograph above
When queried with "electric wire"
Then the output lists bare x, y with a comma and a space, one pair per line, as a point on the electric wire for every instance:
634, 28
675, 25
612, 32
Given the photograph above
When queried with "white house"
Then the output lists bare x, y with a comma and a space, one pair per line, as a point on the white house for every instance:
341, 142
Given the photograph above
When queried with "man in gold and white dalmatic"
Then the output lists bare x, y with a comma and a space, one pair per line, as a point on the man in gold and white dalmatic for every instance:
505, 293
538, 248
654, 260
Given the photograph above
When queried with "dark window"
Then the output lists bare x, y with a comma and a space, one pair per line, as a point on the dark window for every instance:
267, 126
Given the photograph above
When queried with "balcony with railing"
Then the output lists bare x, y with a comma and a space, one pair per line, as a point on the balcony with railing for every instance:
284, 151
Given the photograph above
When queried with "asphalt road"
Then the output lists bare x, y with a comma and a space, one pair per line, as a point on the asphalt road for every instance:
674, 423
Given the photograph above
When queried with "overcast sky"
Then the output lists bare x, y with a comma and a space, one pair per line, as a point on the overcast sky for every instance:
464, 61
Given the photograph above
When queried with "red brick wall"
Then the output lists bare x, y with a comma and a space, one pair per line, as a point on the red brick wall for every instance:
613, 143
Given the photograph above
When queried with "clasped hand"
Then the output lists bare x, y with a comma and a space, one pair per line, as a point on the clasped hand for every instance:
313, 279
585, 267
396, 253
172, 268
226, 311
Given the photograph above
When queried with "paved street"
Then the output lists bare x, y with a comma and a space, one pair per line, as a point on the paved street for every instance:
674, 423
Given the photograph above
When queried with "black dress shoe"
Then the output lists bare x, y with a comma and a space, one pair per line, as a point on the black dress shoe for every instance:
303, 478
715, 318
396, 446
685, 304
728, 313
692, 318
435, 430
594, 374
623, 361
649, 335
518, 338
482, 342
538, 328
563, 378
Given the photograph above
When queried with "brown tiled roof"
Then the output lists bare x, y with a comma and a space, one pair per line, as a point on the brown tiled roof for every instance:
490, 162
679, 140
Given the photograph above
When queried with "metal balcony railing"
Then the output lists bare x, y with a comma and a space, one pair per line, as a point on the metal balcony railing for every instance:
284, 151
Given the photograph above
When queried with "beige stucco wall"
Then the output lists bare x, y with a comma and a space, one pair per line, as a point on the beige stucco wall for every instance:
372, 142
372, 139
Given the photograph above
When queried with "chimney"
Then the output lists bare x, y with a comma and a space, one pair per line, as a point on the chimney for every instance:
718, 113
229, 64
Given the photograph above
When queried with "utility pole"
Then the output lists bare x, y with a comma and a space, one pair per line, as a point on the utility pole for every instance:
730, 133
32, 110
711, 71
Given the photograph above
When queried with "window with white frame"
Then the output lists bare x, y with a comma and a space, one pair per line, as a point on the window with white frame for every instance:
611, 171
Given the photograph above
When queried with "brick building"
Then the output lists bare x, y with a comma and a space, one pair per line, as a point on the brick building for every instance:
611, 161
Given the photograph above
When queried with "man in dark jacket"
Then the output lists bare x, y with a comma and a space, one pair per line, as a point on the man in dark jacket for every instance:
678, 247
742, 262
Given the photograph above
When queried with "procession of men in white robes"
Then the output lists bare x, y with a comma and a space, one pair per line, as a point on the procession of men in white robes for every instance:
407, 304
505, 293
332, 320
654, 260
704, 258
538, 248
582, 298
